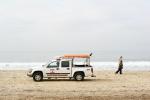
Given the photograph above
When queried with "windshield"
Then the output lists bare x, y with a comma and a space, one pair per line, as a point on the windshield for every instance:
47, 63
51, 62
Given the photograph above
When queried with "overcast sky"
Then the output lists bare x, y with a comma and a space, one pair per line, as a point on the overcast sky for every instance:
74, 25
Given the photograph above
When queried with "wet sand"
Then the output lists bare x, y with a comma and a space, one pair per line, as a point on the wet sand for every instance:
15, 85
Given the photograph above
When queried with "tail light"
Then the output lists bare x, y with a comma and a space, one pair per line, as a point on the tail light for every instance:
92, 69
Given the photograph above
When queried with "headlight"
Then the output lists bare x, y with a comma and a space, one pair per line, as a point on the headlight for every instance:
30, 71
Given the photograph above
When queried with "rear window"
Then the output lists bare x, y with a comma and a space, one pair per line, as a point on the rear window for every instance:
65, 63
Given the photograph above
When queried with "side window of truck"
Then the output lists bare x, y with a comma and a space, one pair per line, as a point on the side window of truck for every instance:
54, 64
65, 64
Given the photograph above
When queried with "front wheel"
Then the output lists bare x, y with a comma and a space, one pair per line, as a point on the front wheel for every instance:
37, 77
79, 77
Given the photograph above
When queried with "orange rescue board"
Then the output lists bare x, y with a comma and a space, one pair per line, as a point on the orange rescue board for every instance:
76, 56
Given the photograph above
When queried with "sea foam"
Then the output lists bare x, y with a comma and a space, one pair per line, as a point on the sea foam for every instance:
129, 66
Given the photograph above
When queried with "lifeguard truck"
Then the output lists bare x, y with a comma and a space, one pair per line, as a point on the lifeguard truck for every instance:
64, 67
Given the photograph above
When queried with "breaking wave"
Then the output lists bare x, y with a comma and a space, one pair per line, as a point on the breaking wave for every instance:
129, 66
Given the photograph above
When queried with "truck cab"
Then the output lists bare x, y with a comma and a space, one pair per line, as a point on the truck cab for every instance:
63, 67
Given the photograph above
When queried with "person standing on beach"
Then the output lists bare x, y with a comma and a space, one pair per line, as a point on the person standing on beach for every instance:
120, 67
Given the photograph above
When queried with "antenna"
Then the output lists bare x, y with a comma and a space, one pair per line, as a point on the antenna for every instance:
91, 54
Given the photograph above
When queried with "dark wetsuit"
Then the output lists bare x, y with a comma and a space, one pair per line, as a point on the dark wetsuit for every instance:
120, 67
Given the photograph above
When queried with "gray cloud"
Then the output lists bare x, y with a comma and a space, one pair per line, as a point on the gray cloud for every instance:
84, 25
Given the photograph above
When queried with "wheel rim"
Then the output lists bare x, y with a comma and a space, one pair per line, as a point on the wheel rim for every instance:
79, 77
37, 77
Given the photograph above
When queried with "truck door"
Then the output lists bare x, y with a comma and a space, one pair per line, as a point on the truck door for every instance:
65, 68
52, 69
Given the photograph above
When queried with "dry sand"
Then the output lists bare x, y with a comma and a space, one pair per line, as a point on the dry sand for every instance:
15, 85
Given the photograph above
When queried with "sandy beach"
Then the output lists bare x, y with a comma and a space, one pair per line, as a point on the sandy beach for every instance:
15, 85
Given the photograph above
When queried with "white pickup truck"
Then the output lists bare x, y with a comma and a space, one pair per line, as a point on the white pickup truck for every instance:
63, 67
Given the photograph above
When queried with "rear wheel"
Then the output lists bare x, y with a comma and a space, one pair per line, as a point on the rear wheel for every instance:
79, 77
37, 76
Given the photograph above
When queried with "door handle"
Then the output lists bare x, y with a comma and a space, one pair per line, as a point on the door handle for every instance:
68, 68
57, 68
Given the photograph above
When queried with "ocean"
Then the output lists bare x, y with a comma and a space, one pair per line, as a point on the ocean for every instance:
101, 60
128, 66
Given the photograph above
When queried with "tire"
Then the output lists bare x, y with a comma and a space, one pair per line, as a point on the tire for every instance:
79, 76
37, 76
